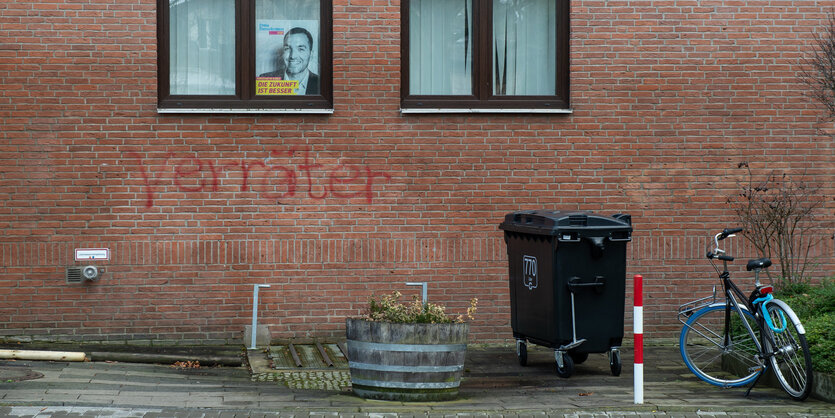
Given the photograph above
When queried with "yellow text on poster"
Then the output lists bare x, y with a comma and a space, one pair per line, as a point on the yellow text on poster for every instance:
275, 86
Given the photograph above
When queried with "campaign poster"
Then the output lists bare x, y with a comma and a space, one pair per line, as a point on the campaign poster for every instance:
286, 57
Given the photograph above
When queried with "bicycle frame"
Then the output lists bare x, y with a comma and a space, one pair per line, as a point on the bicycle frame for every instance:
732, 292
736, 300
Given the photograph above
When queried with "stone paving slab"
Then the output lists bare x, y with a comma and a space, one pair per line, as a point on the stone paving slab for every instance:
493, 385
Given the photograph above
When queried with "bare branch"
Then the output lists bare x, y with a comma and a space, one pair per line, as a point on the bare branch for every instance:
778, 214
818, 69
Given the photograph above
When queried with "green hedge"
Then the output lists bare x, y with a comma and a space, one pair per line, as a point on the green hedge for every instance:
820, 333
815, 305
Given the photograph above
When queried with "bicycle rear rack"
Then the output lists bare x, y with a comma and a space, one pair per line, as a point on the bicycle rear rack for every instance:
688, 308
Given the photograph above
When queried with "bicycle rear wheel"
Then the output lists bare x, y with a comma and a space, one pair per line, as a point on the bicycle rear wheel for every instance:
721, 361
792, 361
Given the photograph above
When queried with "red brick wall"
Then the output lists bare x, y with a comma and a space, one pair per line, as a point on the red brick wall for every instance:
668, 97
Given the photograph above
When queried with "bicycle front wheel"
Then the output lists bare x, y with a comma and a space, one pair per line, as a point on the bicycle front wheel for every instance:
726, 360
792, 361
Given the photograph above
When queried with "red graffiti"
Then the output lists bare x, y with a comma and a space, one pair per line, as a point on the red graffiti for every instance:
278, 176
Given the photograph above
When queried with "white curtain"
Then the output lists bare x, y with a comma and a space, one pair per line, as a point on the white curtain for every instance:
202, 43
524, 47
287, 9
440, 47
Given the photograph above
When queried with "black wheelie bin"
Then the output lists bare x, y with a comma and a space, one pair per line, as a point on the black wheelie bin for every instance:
567, 283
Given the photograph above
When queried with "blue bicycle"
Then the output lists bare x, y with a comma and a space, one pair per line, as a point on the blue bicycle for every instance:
735, 342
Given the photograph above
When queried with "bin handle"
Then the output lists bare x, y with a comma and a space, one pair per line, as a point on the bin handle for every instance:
568, 237
597, 284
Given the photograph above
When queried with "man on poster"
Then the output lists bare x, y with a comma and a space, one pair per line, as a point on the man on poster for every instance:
298, 45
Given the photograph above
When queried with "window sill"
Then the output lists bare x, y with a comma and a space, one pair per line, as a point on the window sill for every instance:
478, 110
262, 111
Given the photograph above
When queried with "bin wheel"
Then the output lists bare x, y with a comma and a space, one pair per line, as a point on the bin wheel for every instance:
522, 353
567, 368
578, 358
615, 363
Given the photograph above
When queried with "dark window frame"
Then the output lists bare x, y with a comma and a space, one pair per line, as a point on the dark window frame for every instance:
483, 97
244, 98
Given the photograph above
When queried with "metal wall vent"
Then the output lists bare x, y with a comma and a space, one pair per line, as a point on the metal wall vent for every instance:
80, 274
73, 274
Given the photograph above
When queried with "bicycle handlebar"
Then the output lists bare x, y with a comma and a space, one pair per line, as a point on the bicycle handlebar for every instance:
718, 252
711, 255
727, 232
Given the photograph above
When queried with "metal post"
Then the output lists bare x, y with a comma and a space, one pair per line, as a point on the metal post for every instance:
638, 334
424, 294
255, 312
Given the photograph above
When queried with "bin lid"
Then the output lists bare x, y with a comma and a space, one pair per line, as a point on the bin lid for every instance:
543, 222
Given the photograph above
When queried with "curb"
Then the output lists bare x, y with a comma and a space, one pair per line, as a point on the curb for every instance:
204, 359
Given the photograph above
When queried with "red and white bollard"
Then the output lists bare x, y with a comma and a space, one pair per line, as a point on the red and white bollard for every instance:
638, 332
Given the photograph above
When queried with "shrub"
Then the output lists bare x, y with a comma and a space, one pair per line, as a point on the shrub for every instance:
809, 300
815, 305
820, 334
389, 309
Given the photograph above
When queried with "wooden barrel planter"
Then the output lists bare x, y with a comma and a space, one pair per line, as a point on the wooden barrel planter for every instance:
406, 362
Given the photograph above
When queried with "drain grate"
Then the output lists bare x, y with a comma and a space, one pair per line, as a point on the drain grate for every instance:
316, 356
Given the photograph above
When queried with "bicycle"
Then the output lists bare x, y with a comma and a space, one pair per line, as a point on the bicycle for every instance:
735, 342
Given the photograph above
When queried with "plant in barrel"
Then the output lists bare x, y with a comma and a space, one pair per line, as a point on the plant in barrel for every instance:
407, 351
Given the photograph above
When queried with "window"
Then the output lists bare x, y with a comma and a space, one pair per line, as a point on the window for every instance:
490, 55
245, 56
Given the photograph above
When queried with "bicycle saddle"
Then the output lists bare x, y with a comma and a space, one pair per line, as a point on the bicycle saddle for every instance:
759, 263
